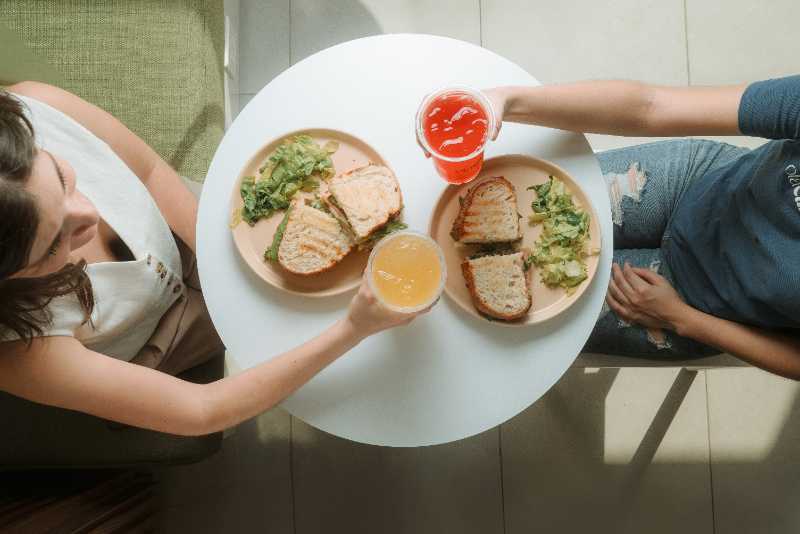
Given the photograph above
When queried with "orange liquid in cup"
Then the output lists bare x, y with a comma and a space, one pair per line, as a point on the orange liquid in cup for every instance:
459, 172
406, 271
455, 125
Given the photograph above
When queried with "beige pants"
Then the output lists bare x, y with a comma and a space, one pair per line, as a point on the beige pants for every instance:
185, 336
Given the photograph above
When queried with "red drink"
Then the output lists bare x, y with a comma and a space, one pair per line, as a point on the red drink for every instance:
453, 125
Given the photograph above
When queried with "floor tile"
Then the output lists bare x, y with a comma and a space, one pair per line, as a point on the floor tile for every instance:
736, 41
264, 42
754, 421
342, 486
568, 41
245, 487
317, 25
560, 42
588, 455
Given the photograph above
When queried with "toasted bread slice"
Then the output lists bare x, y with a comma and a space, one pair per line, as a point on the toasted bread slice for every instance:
313, 241
365, 199
488, 214
498, 285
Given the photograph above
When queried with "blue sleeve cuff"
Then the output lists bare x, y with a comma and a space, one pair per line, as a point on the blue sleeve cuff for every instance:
771, 109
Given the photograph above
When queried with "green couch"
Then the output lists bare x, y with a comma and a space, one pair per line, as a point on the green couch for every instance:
157, 66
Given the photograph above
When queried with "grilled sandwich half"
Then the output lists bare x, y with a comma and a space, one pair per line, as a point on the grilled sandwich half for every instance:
488, 214
312, 240
498, 285
364, 199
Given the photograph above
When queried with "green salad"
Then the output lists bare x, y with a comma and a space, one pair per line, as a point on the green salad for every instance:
271, 254
298, 164
389, 228
561, 250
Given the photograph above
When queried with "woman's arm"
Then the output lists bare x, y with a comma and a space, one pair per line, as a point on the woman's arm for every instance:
59, 371
176, 202
643, 297
622, 108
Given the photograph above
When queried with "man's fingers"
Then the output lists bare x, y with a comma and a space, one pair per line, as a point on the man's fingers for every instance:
617, 308
614, 291
496, 130
649, 276
419, 143
635, 281
622, 282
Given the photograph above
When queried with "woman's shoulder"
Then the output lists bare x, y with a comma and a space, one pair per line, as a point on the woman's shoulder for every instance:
37, 345
51, 95
66, 317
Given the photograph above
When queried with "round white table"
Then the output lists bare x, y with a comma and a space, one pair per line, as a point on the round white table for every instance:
448, 375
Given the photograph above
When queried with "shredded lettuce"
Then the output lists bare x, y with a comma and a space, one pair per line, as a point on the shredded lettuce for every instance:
392, 226
298, 164
560, 252
271, 254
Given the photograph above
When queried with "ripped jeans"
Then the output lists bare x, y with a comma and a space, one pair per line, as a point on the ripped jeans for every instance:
645, 185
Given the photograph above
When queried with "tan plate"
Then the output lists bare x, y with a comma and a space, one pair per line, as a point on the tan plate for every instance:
522, 172
253, 241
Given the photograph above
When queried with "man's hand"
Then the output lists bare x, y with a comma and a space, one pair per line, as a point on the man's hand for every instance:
498, 96
643, 297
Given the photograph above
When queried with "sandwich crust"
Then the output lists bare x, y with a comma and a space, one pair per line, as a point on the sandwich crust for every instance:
498, 285
313, 242
488, 214
366, 199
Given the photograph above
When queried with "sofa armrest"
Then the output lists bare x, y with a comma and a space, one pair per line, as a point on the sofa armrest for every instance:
37, 436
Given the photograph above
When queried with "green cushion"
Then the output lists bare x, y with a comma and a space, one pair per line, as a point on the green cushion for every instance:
155, 65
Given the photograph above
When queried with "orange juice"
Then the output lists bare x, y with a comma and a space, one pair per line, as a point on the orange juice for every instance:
406, 271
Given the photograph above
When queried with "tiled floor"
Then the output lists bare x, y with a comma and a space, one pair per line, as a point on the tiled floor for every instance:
610, 451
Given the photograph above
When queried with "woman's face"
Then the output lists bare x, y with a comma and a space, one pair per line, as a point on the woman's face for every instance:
67, 219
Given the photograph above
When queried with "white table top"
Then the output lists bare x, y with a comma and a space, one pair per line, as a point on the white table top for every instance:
448, 375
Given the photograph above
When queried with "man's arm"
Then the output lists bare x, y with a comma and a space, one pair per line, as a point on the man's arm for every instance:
646, 298
774, 352
623, 108
174, 200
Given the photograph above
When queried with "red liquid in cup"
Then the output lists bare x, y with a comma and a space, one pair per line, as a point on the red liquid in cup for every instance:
455, 125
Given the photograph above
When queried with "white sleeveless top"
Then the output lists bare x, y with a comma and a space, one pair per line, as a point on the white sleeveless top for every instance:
130, 297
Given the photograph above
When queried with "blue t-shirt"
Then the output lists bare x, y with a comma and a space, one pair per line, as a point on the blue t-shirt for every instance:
734, 249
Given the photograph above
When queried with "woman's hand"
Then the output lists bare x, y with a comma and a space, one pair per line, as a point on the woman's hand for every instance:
367, 316
643, 297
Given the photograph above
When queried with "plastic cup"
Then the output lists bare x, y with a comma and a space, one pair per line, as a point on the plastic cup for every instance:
456, 170
375, 285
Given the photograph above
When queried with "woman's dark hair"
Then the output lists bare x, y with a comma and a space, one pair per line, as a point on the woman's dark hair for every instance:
24, 301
